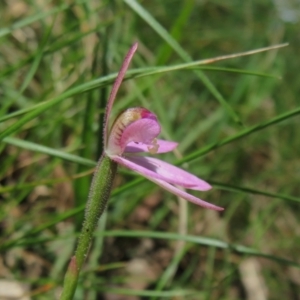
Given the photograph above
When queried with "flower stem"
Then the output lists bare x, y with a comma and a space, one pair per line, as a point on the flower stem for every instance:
99, 194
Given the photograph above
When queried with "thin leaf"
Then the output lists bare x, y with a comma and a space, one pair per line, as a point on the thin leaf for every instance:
38, 109
239, 135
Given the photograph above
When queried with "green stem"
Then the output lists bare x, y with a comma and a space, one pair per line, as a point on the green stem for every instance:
98, 197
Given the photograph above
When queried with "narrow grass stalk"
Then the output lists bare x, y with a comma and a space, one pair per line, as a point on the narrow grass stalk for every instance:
82, 184
98, 197
241, 134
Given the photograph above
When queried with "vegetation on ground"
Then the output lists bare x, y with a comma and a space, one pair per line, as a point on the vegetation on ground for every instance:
236, 122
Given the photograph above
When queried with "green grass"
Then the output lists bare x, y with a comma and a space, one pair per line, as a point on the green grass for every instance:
236, 122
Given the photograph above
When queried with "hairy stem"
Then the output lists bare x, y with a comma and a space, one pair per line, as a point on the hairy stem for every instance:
99, 194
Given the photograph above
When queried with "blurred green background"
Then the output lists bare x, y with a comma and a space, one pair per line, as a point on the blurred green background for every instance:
56, 58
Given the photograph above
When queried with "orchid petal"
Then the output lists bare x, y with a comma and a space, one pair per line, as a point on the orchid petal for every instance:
116, 87
141, 131
155, 178
182, 194
135, 124
159, 169
163, 147
170, 173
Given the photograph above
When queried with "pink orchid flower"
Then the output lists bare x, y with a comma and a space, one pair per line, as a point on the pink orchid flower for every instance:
136, 130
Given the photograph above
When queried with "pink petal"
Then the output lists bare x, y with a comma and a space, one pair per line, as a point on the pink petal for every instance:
115, 88
164, 146
170, 173
154, 178
141, 131
155, 168
136, 124
174, 190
